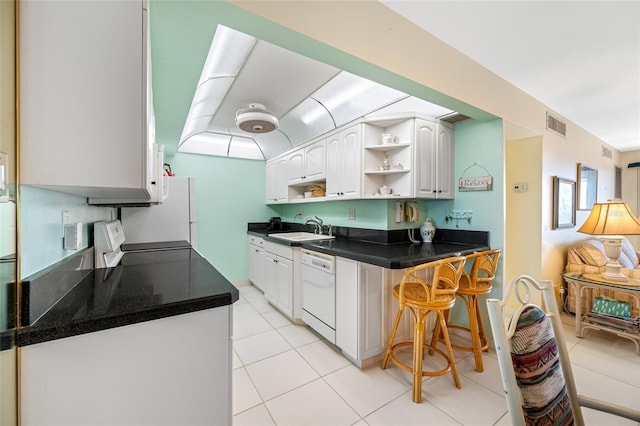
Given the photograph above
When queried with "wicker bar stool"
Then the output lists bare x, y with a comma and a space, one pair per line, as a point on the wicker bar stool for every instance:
422, 297
472, 285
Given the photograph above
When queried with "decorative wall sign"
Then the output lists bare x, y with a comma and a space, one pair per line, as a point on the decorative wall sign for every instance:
564, 203
475, 183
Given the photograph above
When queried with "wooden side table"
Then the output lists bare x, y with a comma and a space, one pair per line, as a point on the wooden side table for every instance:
584, 284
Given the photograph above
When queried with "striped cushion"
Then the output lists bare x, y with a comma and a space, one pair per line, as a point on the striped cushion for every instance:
534, 354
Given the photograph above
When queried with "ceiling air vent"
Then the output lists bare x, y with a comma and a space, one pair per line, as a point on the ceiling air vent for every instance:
454, 117
556, 125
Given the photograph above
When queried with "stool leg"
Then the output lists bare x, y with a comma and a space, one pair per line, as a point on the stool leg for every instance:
472, 306
483, 336
437, 332
445, 333
385, 361
418, 354
435, 338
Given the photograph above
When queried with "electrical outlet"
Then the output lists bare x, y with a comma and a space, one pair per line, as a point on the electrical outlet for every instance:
351, 214
520, 187
65, 220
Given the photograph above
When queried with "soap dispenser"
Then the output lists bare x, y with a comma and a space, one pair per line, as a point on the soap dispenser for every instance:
427, 230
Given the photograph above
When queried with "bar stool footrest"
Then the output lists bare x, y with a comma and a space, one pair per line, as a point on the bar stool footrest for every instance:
404, 366
483, 341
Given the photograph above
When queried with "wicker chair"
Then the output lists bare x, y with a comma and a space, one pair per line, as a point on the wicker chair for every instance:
422, 296
473, 285
534, 363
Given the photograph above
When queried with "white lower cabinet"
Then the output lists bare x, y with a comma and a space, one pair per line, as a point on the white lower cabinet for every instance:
347, 306
364, 310
256, 256
281, 278
174, 370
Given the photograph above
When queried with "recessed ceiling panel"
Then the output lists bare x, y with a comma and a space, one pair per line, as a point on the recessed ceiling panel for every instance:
244, 148
208, 96
272, 144
194, 126
306, 121
227, 54
309, 99
275, 77
348, 97
207, 144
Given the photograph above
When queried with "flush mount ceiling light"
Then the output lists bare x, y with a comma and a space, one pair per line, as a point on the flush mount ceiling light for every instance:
256, 119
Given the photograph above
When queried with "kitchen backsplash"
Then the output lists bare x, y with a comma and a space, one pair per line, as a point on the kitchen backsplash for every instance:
41, 243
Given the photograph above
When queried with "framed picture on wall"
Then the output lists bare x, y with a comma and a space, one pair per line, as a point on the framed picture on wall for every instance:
564, 203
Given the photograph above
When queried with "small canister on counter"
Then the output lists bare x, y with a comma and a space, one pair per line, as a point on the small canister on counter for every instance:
427, 231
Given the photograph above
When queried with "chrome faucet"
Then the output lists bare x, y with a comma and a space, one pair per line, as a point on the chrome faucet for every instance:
317, 222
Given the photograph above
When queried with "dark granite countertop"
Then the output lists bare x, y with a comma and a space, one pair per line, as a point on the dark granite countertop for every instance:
150, 283
392, 252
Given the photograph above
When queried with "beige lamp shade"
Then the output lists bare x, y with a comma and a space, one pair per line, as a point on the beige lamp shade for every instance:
611, 221
611, 218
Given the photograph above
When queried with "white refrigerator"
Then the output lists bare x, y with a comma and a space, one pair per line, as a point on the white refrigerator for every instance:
173, 220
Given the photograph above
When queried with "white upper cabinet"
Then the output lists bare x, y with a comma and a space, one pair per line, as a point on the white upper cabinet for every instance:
308, 164
83, 98
276, 189
359, 159
433, 160
344, 159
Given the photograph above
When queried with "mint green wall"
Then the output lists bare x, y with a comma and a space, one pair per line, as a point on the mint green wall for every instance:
41, 242
229, 194
479, 143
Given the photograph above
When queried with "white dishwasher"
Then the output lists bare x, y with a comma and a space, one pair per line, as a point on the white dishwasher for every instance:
319, 292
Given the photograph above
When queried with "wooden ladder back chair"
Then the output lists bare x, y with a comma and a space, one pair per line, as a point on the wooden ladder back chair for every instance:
534, 362
478, 282
422, 296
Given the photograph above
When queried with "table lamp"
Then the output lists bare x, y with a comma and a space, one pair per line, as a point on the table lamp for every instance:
612, 220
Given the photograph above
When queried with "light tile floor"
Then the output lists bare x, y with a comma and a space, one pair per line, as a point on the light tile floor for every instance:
284, 374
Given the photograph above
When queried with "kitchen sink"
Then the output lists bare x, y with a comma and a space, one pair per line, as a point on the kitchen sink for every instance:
300, 236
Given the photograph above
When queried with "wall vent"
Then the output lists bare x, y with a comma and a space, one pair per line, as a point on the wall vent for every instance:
556, 125
606, 152
454, 117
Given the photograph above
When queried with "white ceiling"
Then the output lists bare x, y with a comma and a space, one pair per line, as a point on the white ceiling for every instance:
580, 58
